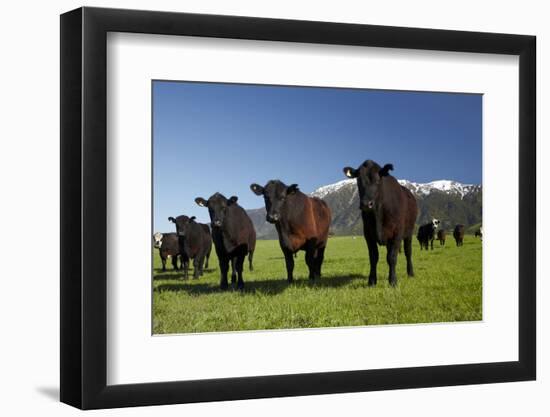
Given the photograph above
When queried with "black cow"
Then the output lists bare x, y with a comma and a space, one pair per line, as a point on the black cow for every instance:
426, 234
302, 223
168, 246
389, 213
458, 234
441, 236
479, 233
194, 242
234, 236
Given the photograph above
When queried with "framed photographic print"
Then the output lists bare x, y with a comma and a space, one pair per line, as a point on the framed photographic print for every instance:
257, 208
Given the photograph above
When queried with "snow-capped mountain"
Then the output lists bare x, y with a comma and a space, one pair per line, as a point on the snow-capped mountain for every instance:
419, 189
450, 201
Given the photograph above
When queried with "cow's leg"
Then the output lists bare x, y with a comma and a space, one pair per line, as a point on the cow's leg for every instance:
201, 264
233, 270
239, 266
224, 267
373, 259
207, 258
319, 261
391, 258
310, 261
175, 262
163, 264
408, 254
250, 256
197, 261
185, 267
289, 260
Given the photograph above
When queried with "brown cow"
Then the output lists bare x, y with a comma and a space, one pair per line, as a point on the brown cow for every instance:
302, 223
195, 242
458, 234
389, 213
441, 236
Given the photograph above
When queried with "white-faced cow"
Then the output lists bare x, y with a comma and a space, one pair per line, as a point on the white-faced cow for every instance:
458, 234
168, 246
233, 234
426, 234
479, 233
194, 242
389, 213
302, 223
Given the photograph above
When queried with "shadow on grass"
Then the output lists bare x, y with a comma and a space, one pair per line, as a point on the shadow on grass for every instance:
158, 274
263, 287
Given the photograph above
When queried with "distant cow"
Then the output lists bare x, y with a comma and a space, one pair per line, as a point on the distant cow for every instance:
479, 233
458, 234
426, 234
168, 246
441, 236
389, 213
302, 223
194, 242
234, 236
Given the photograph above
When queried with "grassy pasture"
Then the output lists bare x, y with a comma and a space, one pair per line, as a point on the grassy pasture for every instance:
447, 287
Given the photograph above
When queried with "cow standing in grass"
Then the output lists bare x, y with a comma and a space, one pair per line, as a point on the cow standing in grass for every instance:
194, 242
441, 236
168, 246
233, 234
479, 233
426, 234
458, 234
302, 223
389, 213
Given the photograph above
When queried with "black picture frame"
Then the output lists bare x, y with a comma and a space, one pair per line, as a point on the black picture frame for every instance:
84, 207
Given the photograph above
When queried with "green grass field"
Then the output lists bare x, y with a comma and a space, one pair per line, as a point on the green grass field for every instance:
447, 287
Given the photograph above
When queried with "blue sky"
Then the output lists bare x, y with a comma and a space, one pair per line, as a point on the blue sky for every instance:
210, 137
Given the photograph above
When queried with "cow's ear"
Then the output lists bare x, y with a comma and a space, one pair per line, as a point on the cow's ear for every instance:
233, 199
293, 188
192, 218
257, 189
385, 170
350, 172
171, 219
201, 202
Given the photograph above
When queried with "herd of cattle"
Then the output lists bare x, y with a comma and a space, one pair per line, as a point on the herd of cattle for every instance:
427, 233
388, 210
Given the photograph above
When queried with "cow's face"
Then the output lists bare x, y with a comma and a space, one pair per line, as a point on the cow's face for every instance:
369, 176
217, 206
435, 223
275, 194
182, 223
157, 237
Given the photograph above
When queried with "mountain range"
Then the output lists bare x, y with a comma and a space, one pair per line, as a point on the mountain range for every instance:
449, 201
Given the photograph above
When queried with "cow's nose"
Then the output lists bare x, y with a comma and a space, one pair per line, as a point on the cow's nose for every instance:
217, 223
366, 205
272, 217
